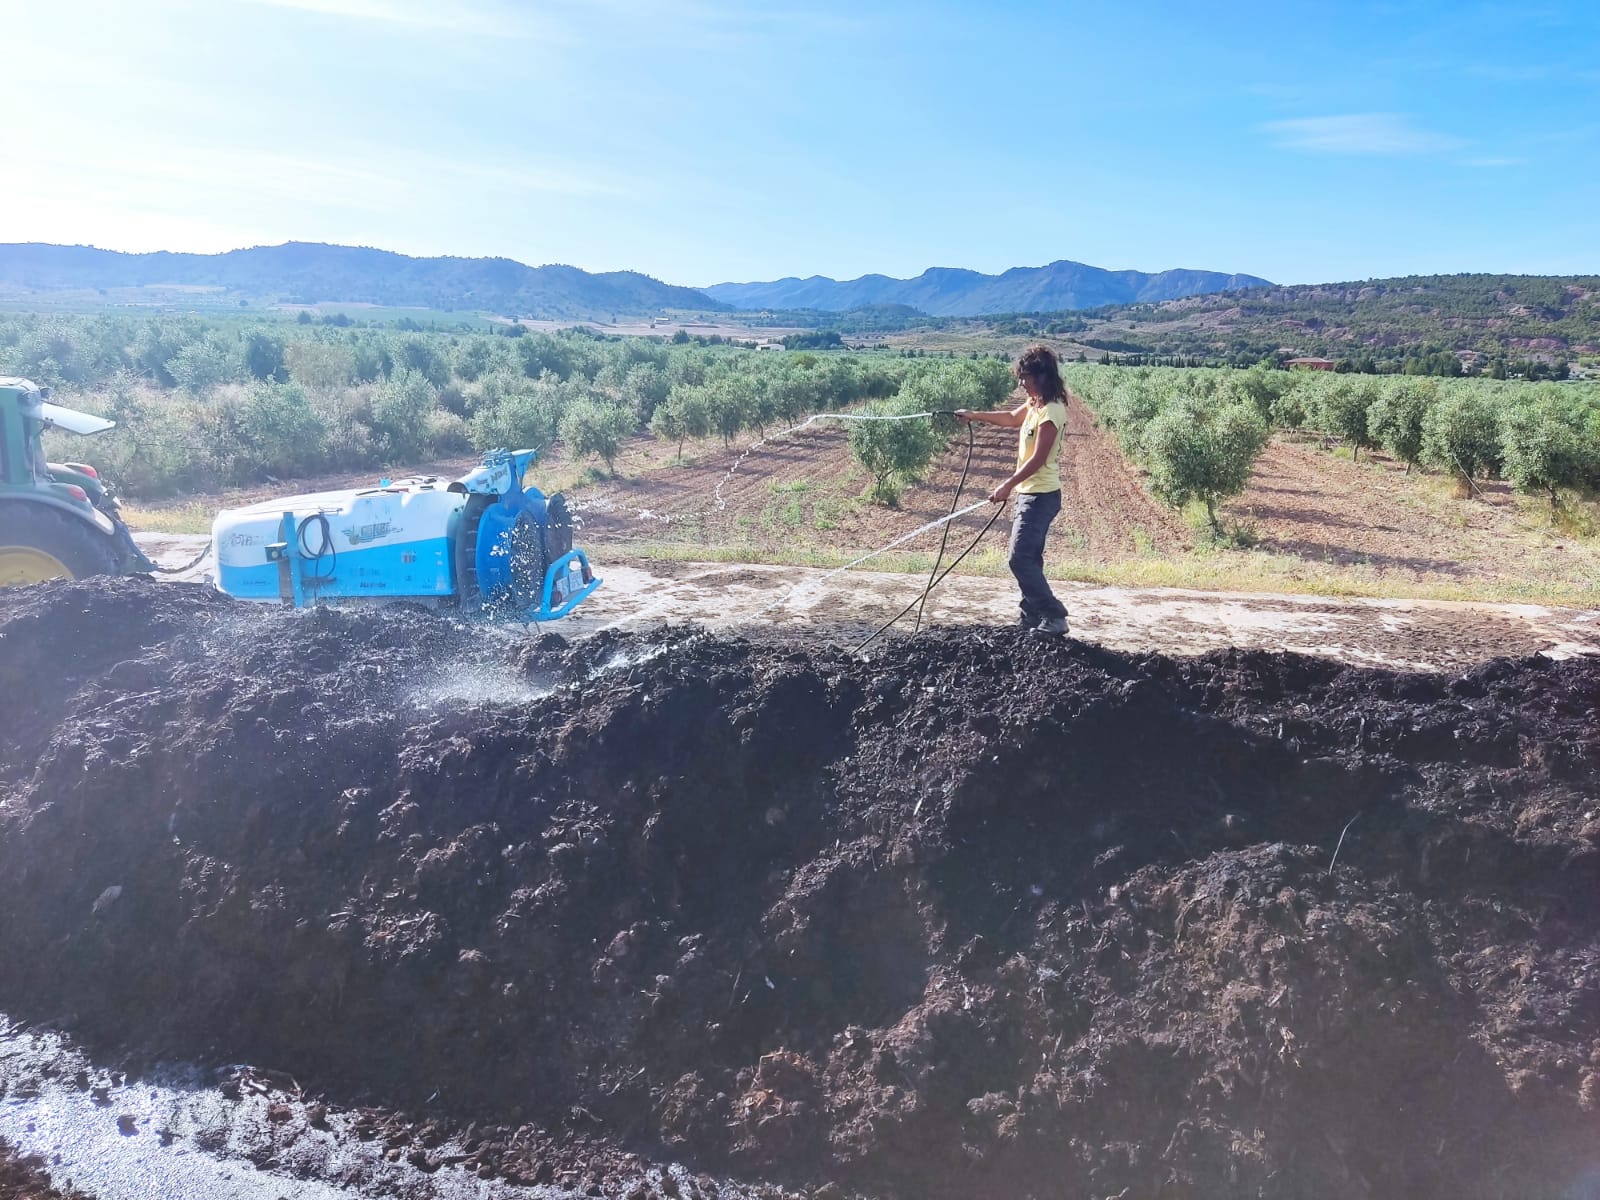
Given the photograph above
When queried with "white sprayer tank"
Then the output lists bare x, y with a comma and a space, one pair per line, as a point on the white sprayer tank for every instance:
384, 542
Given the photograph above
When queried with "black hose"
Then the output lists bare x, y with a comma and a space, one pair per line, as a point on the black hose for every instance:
944, 538
325, 548
188, 566
936, 576
971, 546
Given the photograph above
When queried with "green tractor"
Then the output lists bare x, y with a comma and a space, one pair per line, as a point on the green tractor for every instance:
57, 520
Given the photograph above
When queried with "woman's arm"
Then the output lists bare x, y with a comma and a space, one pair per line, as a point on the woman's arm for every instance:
1043, 440
1006, 418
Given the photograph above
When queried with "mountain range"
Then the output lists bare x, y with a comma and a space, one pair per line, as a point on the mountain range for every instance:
310, 273
953, 292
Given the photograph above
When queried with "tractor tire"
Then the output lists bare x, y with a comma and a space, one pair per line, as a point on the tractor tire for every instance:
38, 543
468, 594
558, 528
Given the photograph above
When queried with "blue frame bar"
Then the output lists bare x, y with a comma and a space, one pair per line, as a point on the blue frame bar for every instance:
554, 572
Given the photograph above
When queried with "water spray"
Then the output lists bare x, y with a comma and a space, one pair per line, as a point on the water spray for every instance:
815, 417
935, 574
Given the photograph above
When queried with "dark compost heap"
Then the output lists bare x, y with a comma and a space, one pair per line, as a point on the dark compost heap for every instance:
987, 915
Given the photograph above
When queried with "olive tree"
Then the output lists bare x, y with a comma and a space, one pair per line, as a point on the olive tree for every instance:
598, 428
894, 453
400, 408
1203, 452
1545, 444
1342, 411
1461, 436
525, 417
1395, 419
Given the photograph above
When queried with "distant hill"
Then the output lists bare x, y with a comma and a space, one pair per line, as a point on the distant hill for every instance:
953, 292
308, 273
1500, 316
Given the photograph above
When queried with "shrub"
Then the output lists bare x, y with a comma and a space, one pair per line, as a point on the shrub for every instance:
1460, 435
448, 433
644, 389
263, 357
686, 414
1396, 416
1342, 411
201, 366
667, 425
526, 419
1591, 441
1198, 451
279, 433
945, 389
731, 408
348, 435
1545, 444
400, 408
993, 379
1260, 387
894, 453
476, 357
419, 354
596, 427
156, 449
1289, 409
320, 364
1131, 406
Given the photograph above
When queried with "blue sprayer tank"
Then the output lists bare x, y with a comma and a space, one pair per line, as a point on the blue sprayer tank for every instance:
484, 541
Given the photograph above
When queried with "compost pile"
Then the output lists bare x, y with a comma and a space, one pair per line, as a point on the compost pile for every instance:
988, 914
26, 1178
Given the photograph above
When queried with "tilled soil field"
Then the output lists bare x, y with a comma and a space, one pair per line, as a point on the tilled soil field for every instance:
987, 915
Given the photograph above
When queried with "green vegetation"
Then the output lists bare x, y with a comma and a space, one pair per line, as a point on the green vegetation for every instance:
216, 402
1551, 442
1461, 436
897, 453
598, 428
1395, 417
1418, 325
1200, 451
1196, 433
206, 403
894, 453
1188, 428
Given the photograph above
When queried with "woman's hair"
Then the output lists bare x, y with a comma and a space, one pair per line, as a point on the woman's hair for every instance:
1041, 363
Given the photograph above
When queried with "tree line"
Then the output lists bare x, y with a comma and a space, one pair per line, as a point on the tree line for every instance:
204, 403
1198, 433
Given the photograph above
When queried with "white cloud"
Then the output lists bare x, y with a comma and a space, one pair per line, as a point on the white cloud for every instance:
1359, 133
1492, 161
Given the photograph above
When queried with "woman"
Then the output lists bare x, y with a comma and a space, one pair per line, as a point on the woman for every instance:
1036, 482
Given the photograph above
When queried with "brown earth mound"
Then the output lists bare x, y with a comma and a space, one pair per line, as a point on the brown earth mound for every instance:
987, 915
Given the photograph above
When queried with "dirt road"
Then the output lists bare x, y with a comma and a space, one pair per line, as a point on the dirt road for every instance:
756, 600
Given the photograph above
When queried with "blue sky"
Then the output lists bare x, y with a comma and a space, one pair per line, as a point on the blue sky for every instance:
707, 140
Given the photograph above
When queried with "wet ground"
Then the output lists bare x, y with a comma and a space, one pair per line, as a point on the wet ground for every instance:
842, 608
670, 913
